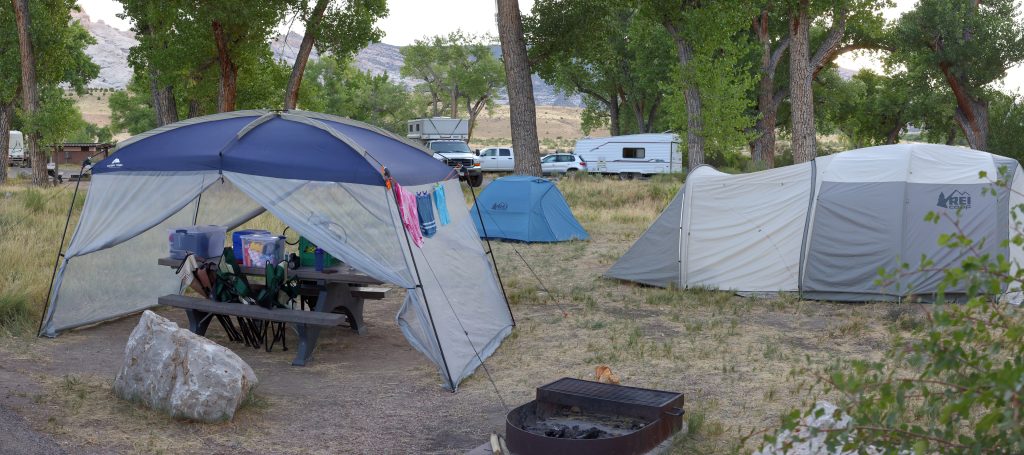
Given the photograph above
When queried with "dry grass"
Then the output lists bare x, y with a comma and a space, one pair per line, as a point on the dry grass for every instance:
31, 223
738, 360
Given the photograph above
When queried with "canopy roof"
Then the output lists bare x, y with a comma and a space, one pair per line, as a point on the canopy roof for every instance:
283, 144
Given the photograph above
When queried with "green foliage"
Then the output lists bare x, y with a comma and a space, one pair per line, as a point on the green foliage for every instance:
870, 109
457, 70
131, 109
957, 386
978, 44
339, 88
607, 52
1006, 117
347, 26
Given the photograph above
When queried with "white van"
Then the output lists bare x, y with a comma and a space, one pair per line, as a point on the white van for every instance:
497, 159
16, 149
632, 155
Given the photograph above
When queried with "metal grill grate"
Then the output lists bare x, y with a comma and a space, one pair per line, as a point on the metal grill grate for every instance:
617, 393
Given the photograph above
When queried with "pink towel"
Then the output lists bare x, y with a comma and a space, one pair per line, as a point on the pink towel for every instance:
407, 210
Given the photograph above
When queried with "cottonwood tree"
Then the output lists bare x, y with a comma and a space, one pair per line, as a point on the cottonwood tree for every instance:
614, 57
458, 71
41, 49
701, 31
966, 44
843, 16
522, 110
337, 87
340, 28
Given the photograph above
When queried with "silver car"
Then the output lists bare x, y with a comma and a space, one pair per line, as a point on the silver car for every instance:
562, 163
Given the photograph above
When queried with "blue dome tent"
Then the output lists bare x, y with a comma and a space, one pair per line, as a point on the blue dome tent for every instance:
324, 176
525, 209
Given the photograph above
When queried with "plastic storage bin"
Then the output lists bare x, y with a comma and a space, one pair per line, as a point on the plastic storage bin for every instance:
260, 249
236, 242
204, 241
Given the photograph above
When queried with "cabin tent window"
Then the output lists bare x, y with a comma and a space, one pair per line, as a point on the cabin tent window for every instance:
633, 152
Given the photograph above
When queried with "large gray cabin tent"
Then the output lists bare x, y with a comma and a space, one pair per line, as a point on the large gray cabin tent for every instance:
825, 228
323, 176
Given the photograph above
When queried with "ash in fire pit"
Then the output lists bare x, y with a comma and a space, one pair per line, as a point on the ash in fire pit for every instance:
575, 416
570, 423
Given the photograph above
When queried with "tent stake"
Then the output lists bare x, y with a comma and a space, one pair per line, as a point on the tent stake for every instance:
490, 252
60, 249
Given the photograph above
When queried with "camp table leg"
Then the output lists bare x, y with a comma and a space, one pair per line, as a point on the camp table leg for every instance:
198, 321
339, 298
308, 336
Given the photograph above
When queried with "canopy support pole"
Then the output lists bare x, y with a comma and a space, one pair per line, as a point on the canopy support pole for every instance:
419, 284
63, 237
490, 252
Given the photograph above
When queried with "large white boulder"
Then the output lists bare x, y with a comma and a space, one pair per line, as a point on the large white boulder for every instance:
181, 373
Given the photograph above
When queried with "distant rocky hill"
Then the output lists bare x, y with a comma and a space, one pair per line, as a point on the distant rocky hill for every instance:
112, 45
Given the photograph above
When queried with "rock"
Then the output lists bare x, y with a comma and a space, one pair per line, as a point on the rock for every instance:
805, 444
181, 373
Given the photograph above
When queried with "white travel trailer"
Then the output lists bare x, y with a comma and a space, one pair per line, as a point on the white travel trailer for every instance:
632, 155
16, 149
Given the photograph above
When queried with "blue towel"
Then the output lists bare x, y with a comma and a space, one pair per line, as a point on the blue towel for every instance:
442, 205
426, 213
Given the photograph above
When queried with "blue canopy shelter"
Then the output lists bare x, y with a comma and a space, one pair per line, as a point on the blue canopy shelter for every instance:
327, 177
525, 209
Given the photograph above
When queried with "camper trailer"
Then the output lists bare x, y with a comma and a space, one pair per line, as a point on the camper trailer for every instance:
438, 128
632, 155
16, 150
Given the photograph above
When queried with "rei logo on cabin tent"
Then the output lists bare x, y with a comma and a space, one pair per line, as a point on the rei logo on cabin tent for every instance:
501, 205
956, 200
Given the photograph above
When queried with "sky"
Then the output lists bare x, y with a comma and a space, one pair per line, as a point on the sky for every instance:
410, 20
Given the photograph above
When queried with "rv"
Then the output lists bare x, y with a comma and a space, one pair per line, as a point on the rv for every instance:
16, 150
632, 155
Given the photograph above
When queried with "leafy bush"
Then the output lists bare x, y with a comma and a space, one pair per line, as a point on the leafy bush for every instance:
958, 386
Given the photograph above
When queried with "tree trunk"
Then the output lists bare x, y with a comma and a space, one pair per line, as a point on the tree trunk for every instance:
951, 135
694, 116
893, 137
291, 93
163, 99
228, 87
762, 147
971, 113
522, 110
801, 96
455, 102
194, 109
613, 115
30, 91
6, 115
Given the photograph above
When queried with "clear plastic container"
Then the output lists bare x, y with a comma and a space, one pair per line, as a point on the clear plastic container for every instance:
204, 241
260, 249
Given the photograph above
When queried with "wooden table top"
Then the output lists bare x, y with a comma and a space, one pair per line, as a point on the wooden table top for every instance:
341, 273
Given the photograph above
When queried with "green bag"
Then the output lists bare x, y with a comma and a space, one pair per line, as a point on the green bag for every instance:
307, 254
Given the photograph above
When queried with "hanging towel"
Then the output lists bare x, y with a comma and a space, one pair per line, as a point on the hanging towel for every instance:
442, 205
407, 210
425, 208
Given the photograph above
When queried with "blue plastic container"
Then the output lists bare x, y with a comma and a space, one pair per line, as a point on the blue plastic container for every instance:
236, 241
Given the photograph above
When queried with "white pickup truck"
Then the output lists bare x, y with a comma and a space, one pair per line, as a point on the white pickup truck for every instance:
446, 139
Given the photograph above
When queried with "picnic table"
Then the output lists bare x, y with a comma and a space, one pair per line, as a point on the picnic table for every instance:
338, 289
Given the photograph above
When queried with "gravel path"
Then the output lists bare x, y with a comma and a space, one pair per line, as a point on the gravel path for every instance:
19, 437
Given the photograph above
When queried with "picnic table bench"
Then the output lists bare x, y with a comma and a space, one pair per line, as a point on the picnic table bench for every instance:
340, 289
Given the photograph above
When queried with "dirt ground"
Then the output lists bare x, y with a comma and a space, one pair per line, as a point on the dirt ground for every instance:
740, 362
